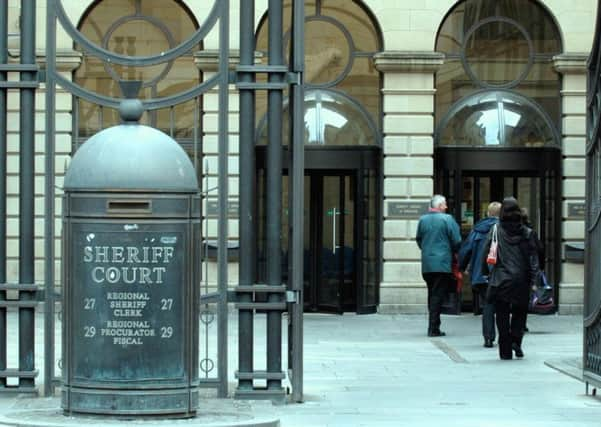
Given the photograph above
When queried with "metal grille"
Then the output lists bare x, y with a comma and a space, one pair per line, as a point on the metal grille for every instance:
592, 283
18, 300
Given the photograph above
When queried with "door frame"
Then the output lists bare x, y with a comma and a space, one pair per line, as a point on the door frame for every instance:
344, 160
512, 161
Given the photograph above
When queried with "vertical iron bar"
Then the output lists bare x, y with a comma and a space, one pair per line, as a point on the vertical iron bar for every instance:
3, 142
274, 192
223, 195
26, 190
76, 103
247, 191
196, 138
49, 201
297, 174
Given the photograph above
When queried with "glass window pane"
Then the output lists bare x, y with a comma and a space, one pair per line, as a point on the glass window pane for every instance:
330, 119
327, 52
541, 86
497, 119
452, 84
356, 21
524, 127
497, 52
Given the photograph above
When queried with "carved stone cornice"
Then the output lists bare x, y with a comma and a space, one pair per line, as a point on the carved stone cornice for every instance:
570, 63
66, 60
409, 61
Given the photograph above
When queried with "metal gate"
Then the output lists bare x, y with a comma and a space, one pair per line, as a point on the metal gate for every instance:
592, 281
213, 302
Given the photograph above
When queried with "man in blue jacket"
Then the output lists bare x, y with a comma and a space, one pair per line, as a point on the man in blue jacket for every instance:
470, 257
438, 238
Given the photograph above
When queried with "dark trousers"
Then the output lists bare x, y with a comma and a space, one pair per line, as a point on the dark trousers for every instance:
511, 321
438, 286
488, 312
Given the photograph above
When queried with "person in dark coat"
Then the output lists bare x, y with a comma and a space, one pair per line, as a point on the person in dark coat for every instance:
470, 258
439, 239
511, 277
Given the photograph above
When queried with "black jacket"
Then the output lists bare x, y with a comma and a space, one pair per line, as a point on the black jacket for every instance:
517, 269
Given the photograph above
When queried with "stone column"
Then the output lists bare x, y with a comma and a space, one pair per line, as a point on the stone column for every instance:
573, 133
408, 130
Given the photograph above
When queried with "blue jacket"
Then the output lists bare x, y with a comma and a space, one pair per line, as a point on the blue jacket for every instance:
438, 237
472, 251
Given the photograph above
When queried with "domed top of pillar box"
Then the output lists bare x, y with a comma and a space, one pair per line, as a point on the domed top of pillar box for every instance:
131, 157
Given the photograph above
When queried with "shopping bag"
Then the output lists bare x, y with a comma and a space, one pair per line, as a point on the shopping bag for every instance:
491, 258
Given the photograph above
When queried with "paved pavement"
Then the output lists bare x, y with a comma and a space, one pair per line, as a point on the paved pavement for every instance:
381, 370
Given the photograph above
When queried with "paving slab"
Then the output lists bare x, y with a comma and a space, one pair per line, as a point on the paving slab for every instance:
382, 370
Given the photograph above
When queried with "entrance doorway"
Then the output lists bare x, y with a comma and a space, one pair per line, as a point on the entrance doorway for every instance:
341, 231
471, 179
330, 234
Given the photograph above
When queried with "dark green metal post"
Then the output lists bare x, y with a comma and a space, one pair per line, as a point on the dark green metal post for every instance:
296, 201
274, 194
247, 193
49, 201
223, 197
26, 191
3, 142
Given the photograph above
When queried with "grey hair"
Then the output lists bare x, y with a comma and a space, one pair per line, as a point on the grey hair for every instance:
437, 200
494, 209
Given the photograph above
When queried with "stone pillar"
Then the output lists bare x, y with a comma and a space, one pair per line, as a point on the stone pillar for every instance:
573, 133
408, 129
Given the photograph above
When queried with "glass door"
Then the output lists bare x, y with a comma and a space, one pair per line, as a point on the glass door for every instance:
336, 270
341, 229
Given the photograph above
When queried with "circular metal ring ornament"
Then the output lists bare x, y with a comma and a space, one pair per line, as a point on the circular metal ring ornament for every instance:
99, 52
154, 22
351, 50
207, 365
470, 71
207, 316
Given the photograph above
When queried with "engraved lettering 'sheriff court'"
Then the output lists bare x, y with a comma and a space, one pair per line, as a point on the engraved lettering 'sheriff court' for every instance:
131, 296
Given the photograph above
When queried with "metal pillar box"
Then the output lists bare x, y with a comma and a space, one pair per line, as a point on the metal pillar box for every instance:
131, 240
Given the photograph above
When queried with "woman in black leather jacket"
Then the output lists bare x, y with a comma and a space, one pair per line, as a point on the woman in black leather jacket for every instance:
512, 276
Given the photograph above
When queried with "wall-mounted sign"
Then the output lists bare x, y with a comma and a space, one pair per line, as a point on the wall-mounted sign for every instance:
407, 210
576, 210
233, 208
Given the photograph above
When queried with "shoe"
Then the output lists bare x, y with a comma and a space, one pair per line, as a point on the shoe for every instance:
506, 357
518, 350
436, 334
488, 342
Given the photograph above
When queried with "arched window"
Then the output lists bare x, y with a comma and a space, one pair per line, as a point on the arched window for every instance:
341, 39
331, 118
498, 44
138, 28
496, 118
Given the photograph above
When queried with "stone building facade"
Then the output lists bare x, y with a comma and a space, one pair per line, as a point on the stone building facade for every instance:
430, 94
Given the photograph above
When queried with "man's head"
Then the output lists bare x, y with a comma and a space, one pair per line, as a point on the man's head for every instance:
438, 202
494, 208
